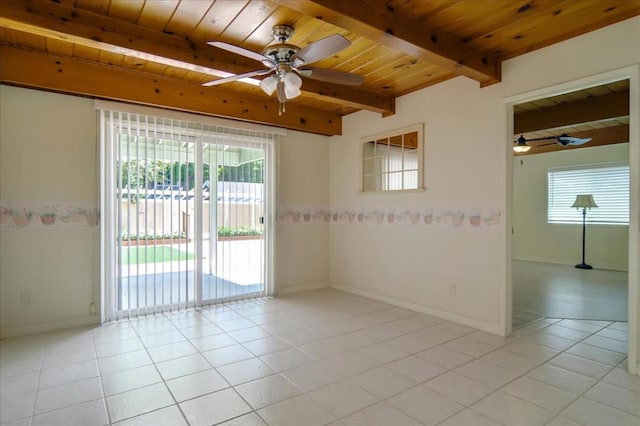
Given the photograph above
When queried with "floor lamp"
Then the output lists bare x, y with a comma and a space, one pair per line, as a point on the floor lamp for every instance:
584, 202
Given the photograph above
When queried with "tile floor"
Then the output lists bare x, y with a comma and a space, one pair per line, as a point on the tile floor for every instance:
317, 358
547, 290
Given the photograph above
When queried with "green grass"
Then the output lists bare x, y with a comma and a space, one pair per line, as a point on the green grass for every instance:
152, 254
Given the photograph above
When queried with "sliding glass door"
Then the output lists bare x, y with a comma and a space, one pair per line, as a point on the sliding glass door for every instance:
185, 209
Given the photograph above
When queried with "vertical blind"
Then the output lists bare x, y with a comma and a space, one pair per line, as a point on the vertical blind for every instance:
609, 185
164, 209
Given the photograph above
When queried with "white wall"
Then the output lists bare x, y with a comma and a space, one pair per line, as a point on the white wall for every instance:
535, 239
47, 153
466, 162
302, 249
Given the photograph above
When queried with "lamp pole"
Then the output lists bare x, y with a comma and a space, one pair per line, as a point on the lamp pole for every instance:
583, 265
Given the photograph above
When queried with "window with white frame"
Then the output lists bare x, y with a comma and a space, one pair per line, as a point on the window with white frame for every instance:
392, 161
607, 182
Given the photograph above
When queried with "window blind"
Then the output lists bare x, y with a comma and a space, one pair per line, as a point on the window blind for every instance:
609, 185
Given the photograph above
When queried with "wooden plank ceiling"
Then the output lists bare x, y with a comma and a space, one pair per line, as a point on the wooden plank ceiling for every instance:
600, 113
155, 51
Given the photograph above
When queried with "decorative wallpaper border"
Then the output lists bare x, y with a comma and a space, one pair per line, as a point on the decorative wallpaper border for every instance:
47, 215
480, 217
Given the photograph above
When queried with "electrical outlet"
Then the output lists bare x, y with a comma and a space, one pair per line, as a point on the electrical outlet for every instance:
92, 309
25, 297
452, 289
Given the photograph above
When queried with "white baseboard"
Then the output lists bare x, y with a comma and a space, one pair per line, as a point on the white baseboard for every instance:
44, 327
471, 322
303, 287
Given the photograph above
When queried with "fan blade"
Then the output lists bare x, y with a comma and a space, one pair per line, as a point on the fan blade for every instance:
568, 140
333, 76
236, 77
320, 50
241, 51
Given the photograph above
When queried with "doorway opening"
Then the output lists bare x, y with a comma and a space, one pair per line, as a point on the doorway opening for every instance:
619, 331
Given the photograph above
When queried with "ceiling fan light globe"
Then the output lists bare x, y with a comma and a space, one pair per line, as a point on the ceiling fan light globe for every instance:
291, 92
268, 85
521, 148
292, 80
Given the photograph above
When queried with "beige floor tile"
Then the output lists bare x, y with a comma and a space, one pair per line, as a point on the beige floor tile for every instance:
383, 382
267, 391
127, 380
469, 417
251, 419
470, 346
425, 405
125, 361
118, 347
287, 359
581, 365
266, 345
607, 343
168, 416
249, 334
567, 333
68, 394
592, 413
245, 371
214, 408
22, 383
197, 384
182, 366
381, 414
215, 341
616, 397
460, 388
139, 401
510, 410
343, 398
90, 413
227, 355
445, 357
531, 350
296, 410
623, 379
16, 406
487, 373
417, 369
541, 394
171, 351
561, 378
382, 353
595, 353
519, 364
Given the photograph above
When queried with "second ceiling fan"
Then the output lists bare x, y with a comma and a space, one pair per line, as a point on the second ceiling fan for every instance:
564, 140
285, 61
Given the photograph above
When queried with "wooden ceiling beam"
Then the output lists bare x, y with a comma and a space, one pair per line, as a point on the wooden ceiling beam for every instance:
68, 75
375, 20
574, 113
599, 137
54, 20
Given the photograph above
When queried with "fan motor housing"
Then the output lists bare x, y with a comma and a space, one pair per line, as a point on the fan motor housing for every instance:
281, 52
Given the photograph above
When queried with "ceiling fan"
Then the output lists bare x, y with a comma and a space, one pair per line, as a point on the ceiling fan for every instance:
284, 61
564, 140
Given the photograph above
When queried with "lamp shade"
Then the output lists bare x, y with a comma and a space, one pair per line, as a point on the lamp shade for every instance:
521, 146
584, 201
268, 85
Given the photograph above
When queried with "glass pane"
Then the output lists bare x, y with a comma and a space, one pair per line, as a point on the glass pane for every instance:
411, 179
410, 160
395, 159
